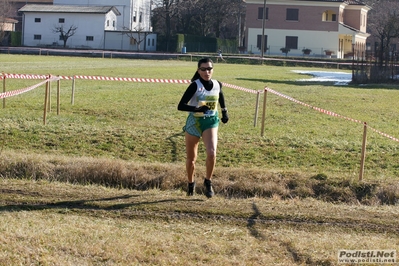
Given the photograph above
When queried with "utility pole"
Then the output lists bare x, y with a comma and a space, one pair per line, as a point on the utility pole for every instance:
263, 29
353, 56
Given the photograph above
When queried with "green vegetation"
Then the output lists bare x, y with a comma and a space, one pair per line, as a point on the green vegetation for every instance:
139, 122
103, 182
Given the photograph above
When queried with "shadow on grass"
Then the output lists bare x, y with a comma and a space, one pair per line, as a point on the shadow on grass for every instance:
87, 204
252, 222
172, 140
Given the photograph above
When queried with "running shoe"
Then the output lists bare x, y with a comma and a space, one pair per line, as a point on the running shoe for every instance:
191, 189
208, 188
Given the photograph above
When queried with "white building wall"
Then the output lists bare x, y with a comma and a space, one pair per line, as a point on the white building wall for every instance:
317, 41
45, 28
116, 40
152, 42
111, 20
128, 9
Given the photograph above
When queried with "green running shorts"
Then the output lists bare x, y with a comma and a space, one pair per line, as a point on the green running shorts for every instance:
196, 125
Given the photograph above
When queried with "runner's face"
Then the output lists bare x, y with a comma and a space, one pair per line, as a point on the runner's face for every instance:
206, 70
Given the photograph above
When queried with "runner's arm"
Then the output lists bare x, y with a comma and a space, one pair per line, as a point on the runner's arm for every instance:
188, 94
221, 97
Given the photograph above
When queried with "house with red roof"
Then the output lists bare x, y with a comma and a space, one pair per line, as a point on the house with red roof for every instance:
332, 28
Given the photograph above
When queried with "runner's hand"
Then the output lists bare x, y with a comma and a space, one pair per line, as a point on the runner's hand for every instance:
225, 117
202, 109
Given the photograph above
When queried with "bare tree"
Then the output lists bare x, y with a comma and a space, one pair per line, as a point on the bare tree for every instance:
65, 34
218, 18
185, 18
384, 26
5, 14
204, 19
164, 13
223, 15
137, 35
208, 17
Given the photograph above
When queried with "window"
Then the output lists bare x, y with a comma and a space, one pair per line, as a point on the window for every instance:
292, 14
107, 23
89, 38
141, 17
133, 41
38, 20
148, 42
113, 23
329, 15
61, 20
291, 42
259, 43
37, 37
153, 42
135, 16
61, 38
260, 13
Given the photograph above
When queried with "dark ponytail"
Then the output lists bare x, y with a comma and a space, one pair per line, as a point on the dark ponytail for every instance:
201, 61
196, 76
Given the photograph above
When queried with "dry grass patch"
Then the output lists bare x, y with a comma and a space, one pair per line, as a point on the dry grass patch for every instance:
229, 182
52, 223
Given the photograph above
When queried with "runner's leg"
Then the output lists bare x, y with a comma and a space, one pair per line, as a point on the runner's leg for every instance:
191, 153
210, 138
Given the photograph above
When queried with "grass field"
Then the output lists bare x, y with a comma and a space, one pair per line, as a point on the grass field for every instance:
103, 182
139, 121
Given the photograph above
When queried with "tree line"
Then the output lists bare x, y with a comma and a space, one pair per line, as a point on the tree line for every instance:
209, 18
6, 13
383, 25
225, 19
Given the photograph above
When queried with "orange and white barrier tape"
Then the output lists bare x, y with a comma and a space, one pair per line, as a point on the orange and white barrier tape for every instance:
20, 91
239, 88
330, 113
287, 97
184, 81
128, 79
25, 76
384, 134
104, 78
313, 107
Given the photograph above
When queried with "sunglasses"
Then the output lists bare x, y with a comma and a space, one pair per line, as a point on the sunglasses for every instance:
205, 68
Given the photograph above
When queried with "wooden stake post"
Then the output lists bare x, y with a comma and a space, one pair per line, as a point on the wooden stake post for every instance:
264, 112
73, 91
49, 95
46, 100
363, 156
4, 90
58, 95
256, 108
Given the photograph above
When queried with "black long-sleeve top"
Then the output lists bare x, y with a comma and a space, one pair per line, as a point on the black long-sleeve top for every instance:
189, 93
